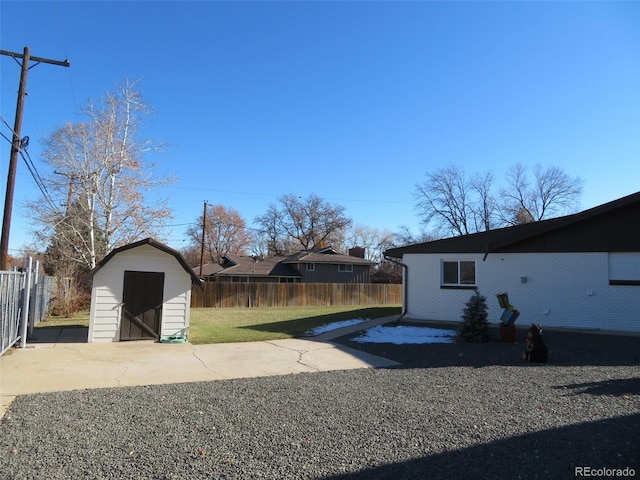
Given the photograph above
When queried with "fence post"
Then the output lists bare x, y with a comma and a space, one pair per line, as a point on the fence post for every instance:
25, 304
33, 299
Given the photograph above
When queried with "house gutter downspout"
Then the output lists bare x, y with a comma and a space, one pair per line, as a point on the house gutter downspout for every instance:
406, 284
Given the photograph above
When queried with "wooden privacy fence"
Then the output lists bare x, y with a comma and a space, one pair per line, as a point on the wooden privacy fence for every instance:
227, 294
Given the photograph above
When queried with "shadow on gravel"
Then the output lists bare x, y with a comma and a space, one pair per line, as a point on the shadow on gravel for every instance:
565, 349
618, 388
609, 443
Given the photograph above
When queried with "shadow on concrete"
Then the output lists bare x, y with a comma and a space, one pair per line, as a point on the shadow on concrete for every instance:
59, 335
566, 348
608, 443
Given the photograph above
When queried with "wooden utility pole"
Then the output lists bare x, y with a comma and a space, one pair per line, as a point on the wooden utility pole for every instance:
204, 228
16, 144
71, 178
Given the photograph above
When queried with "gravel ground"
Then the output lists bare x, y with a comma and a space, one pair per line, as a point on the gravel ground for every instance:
453, 412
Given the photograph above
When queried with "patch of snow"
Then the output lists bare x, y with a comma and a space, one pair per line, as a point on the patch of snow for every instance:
406, 335
333, 326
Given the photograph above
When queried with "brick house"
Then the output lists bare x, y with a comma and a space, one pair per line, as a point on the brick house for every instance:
578, 271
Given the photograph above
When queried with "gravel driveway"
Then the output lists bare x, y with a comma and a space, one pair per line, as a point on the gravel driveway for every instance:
456, 411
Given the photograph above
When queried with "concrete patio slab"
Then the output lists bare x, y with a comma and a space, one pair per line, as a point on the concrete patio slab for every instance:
62, 361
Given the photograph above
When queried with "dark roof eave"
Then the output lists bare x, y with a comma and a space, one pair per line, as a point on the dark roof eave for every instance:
498, 239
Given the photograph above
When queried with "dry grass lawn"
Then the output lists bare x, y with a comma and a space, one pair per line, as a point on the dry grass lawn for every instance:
227, 325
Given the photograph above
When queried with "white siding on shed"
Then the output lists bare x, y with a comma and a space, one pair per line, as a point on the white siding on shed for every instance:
107, 291
561, 289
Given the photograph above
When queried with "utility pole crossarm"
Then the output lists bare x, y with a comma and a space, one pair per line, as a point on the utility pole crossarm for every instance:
16, 145
62, 63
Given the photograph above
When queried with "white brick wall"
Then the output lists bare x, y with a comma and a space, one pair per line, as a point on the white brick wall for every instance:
562, 290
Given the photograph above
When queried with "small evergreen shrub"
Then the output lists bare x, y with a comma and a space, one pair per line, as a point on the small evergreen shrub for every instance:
475, 326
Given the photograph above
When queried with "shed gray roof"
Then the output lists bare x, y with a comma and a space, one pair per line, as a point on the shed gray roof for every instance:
612, 227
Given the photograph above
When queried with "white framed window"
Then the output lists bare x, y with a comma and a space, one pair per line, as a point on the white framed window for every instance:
345, 267
458, 273
624, 268
311, 267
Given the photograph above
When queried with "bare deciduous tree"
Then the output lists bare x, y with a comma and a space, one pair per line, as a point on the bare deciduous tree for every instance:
484, 208
406, 237
455, 204
373, 240
553, 192
225, 233
311, 222
99, 174
272, 235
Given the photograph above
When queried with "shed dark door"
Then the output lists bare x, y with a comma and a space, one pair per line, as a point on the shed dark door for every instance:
142, 305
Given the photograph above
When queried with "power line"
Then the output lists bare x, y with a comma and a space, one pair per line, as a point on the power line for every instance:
205, 189
31, 167
63, 40
7, 124
5, 137
37, 178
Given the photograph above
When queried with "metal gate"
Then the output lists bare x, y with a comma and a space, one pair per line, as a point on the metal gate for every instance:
11, 288
24, 301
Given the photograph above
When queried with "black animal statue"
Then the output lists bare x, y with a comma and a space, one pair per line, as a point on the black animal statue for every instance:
535, 350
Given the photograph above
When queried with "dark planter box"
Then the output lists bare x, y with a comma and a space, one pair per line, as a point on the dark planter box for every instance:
508, 333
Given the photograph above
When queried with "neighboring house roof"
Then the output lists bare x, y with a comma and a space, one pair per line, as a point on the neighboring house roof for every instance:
239, 265
325, 255
208, 269
613, 227
153, 243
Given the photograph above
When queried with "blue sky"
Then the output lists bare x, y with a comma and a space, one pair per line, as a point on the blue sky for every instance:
352, 101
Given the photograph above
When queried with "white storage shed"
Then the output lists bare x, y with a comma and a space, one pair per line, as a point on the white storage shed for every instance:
141, 291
